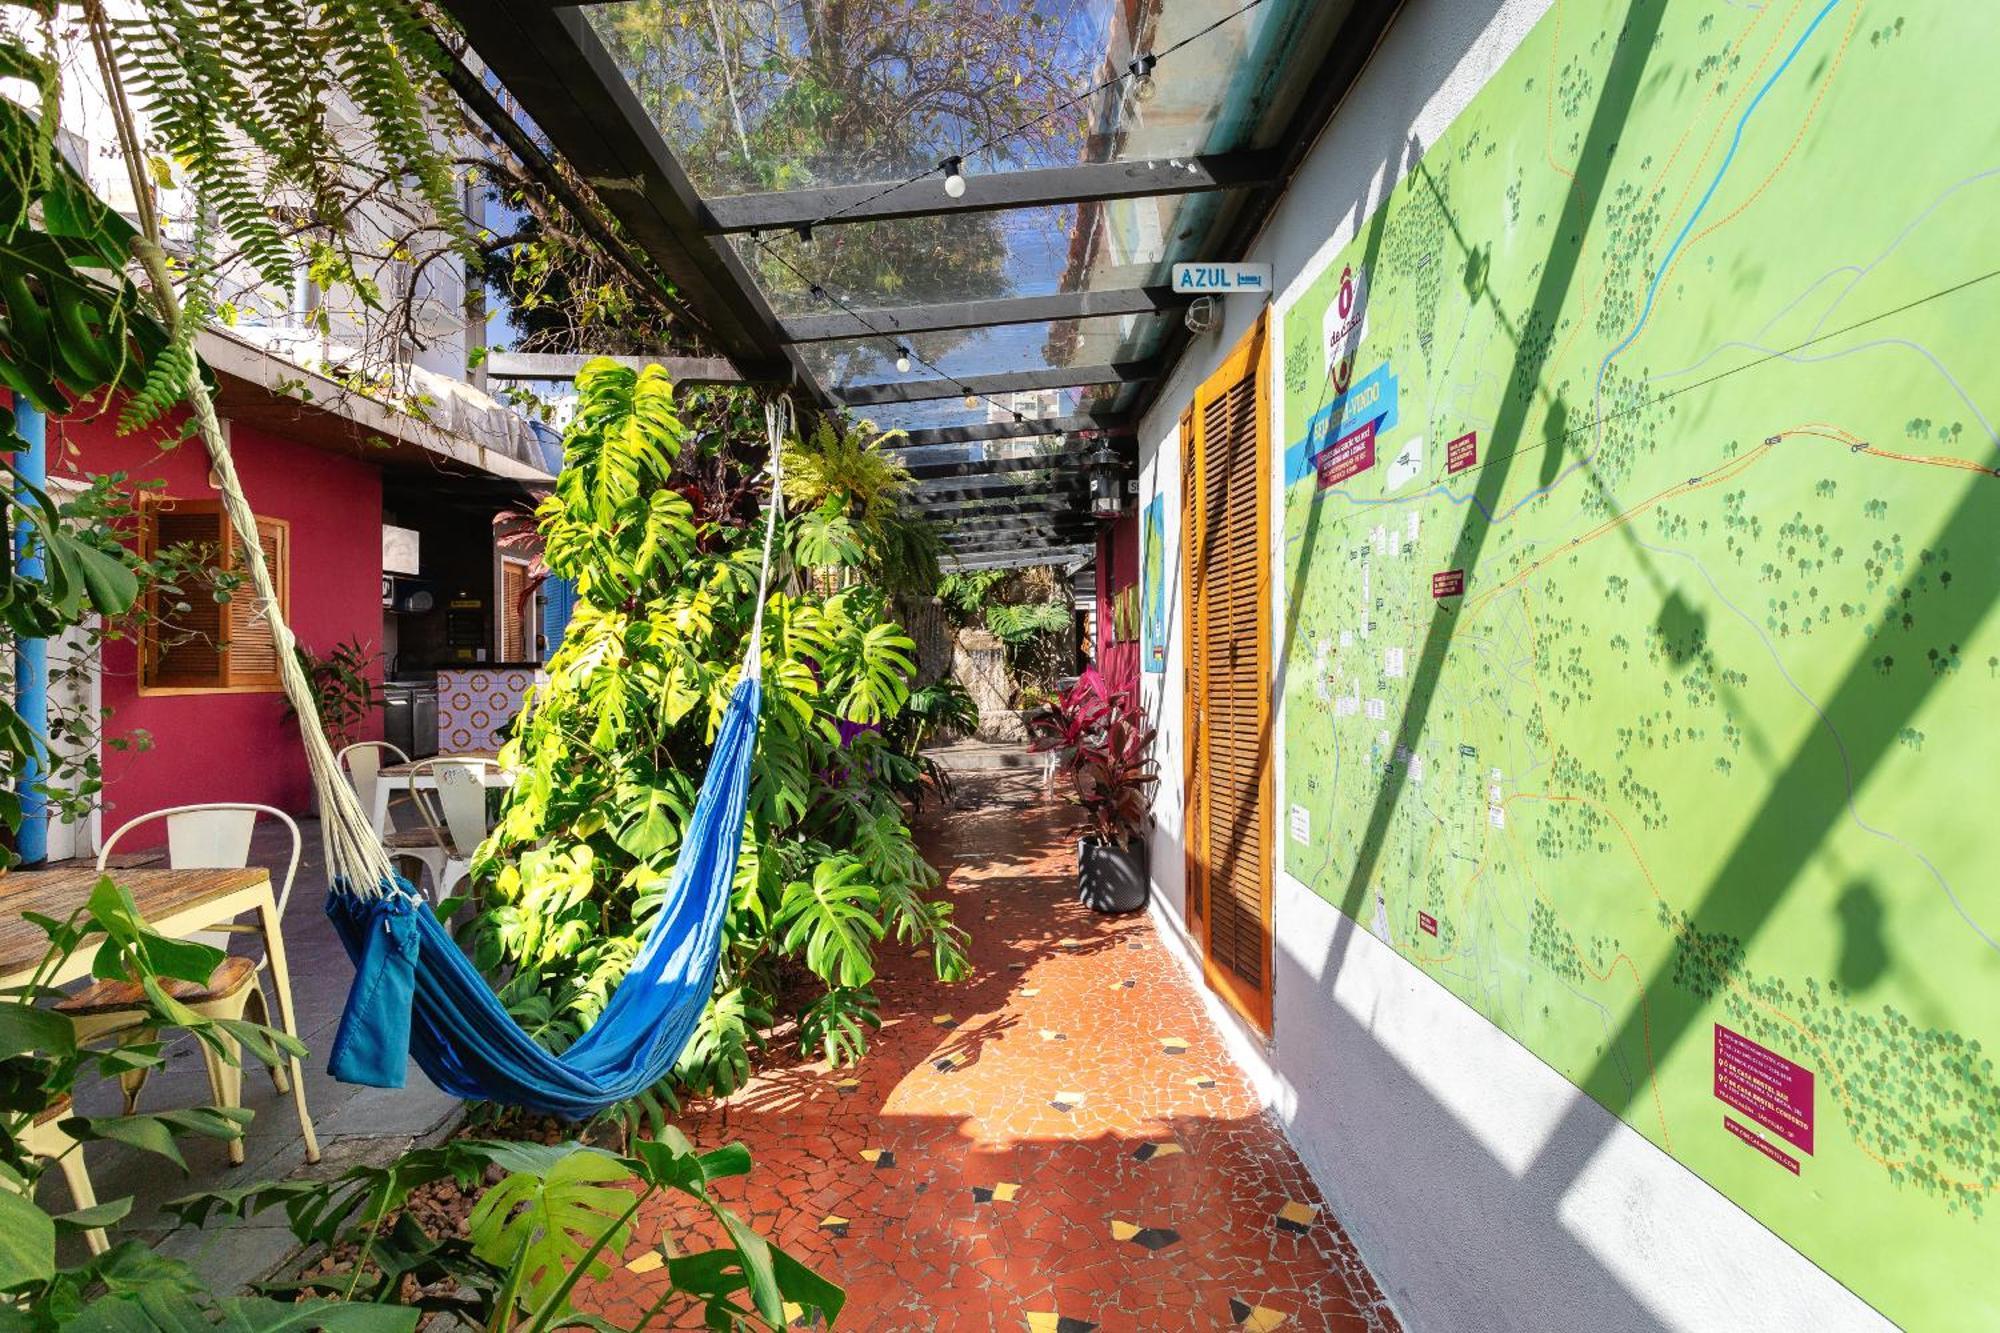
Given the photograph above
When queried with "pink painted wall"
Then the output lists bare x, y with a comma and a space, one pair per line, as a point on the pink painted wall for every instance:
236, 747
1117, 570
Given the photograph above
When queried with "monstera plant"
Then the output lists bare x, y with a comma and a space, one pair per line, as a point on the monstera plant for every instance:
662, 535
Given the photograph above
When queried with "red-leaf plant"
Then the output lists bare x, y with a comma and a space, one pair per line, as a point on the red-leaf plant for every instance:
1104, 745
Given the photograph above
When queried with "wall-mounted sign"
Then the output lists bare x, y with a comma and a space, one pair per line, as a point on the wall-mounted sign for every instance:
399, 550
1223, 278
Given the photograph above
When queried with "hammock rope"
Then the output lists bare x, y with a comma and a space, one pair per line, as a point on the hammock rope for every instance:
416, 993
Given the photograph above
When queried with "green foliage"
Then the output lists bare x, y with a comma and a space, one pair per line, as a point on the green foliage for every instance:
859, 516
614, 747
236, 93
1018, 623
342, 686
556, 1215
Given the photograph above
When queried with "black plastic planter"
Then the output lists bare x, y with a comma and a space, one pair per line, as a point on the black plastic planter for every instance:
1111, 879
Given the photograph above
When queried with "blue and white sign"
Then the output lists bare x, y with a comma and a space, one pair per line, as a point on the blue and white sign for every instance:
1223, 278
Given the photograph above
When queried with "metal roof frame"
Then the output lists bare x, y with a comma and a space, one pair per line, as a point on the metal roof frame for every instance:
897, 321
569, 86
1009, 381
987, 192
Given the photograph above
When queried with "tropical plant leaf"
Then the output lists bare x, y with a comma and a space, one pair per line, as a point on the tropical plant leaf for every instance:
544, 1220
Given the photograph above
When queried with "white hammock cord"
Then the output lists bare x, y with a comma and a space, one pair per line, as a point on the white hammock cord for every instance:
353, 852
779, 420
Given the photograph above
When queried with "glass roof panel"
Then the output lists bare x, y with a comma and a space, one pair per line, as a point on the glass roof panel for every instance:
1038, 404
1108, 245
997, 349
795, 93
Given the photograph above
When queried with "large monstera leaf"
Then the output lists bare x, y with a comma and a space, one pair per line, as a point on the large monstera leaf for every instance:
542, 1219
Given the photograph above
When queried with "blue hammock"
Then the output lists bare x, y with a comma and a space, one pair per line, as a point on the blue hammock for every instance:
416, 993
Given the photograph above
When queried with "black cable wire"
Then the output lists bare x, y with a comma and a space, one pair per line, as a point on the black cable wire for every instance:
902, 349
1138, 67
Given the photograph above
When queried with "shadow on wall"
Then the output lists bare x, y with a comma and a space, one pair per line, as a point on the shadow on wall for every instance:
1785, 833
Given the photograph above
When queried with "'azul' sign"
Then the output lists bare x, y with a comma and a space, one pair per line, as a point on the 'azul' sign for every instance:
1222, 278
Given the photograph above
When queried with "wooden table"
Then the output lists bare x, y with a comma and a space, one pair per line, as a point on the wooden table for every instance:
419, 773
174, 903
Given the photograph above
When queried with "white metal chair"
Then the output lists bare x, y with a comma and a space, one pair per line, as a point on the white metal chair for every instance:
450, 793
44, 1138
363, 763
214, 836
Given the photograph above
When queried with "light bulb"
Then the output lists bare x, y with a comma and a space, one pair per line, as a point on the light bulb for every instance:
972, 400
903, 360
954, 177
1141, 70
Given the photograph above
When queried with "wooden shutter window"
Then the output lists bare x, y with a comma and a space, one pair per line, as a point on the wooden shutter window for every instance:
513, 611
212, 646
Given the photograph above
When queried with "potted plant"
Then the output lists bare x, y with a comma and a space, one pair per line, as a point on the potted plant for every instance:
342, 688
1103, 745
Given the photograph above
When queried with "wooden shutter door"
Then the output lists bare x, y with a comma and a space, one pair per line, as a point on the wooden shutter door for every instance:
513, 615
1231, 691
1191, 569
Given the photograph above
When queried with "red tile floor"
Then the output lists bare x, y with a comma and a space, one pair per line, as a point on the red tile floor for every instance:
1057, 1143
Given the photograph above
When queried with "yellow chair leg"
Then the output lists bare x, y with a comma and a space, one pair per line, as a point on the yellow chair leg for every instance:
81, 1194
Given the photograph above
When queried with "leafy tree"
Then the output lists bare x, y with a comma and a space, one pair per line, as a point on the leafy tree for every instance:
614, 748
829, 92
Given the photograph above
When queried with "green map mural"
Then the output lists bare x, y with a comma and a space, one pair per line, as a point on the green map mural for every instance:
1642, 681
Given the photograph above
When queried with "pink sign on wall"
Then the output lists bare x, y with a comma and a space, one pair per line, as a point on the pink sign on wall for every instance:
1448, 583
1462, 452
1765, 1086
1348, 456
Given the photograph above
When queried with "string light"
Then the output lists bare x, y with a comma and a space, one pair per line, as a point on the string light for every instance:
954, 176
1141, 72
902, 360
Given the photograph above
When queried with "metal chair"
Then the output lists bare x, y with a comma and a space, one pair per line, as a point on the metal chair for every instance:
450, 793
199, 837
363, 763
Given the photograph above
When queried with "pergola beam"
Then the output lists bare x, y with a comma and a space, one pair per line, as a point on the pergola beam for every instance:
1064, 556
979, 508
1012, 381
895, 322
1028, 429
988, 467
563, 366
785, 210
935, 503
571, 88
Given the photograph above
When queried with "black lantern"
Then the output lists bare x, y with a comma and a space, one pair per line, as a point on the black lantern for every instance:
1107, 482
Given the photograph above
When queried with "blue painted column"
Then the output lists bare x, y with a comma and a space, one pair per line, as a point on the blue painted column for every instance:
31, 656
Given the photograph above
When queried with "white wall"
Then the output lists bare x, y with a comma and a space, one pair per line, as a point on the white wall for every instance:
1485, 1191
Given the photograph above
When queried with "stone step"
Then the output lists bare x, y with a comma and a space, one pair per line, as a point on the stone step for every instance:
984, 756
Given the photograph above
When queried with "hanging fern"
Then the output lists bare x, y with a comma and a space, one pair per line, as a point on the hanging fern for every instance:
237, 96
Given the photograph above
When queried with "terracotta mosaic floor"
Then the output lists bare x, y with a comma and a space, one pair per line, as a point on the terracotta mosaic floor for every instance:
1057, 1144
